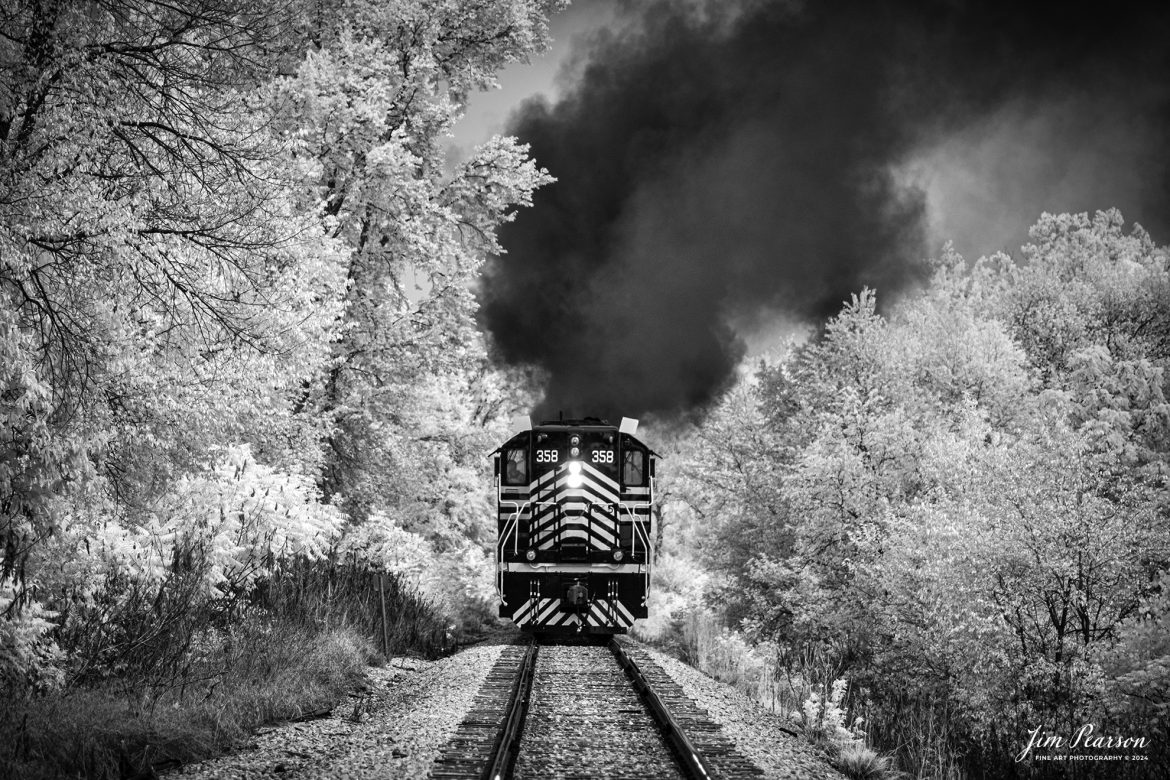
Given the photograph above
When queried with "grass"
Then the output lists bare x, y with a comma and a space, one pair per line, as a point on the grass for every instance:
158, 678
268, 672
698, 638
161, 671
863, 763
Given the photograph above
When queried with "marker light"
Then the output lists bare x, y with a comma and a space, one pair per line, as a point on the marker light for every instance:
618, 555
532, 555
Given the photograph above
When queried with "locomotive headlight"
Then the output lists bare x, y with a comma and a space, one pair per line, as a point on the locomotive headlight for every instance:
574, 480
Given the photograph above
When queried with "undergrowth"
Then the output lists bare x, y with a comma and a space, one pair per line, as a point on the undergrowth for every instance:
119, 729
202, 678
803, 689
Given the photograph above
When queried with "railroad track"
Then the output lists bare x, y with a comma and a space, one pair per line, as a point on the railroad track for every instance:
582, 710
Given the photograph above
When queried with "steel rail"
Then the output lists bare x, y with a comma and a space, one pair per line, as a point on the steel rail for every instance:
689, 757
507, 746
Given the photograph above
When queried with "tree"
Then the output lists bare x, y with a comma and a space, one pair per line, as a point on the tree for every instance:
152, 274
210, 214
366, 113
974, 492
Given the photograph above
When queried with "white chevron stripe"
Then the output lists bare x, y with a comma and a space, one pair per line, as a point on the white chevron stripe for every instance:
543, 479
548, 612
605, 488
570, 499
593, 521
540, 524
543, 524
606, 536
626, 617
596, 542
589, 470
551, 608
591, 518
598, 539
558, 618
521, 614
615, 606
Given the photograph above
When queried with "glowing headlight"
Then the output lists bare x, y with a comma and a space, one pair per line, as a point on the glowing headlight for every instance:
574, 480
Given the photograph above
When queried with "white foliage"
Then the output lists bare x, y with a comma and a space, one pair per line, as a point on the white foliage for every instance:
245, 515
382, 542
823, 714
27, 654
187, 318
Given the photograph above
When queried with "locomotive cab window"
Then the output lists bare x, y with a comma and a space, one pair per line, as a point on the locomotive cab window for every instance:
516, 466
633, 467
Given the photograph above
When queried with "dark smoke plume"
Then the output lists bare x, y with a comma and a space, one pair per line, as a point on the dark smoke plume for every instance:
719, 161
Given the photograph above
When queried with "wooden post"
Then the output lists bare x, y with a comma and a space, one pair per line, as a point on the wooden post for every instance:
328, 594
385, 633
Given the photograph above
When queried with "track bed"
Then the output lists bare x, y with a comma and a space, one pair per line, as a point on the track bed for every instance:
582, 709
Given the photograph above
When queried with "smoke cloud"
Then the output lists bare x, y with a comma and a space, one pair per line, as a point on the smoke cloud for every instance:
718, 162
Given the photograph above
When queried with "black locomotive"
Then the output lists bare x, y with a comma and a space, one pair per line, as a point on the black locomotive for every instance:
575, 539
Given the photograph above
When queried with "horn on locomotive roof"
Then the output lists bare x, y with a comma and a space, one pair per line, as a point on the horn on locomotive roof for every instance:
629, 425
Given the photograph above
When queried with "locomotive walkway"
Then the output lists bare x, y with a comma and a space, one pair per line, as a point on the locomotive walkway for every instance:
583, 710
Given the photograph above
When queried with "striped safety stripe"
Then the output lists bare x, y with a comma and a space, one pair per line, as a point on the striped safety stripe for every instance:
584, 513
548, 613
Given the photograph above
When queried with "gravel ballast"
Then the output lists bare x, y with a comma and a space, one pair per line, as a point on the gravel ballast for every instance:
412, 707
754, 729
394, 730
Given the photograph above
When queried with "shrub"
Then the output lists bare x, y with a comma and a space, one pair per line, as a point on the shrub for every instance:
258, 672
863, 763
160, 675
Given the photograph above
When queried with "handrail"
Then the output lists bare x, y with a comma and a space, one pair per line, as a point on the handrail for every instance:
509, 529
639, 530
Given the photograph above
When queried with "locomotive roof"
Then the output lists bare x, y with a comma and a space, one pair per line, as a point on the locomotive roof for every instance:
588, 422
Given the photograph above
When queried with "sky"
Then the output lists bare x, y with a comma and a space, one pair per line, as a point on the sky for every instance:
731, 171
488, 112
